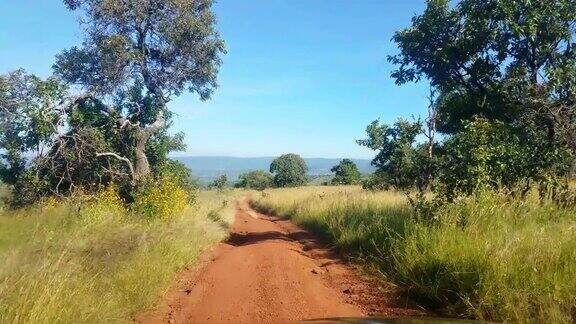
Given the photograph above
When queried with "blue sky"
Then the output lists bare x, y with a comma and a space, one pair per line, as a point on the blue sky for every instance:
302, 76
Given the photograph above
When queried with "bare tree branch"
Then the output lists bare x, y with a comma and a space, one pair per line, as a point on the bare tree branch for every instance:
121, 158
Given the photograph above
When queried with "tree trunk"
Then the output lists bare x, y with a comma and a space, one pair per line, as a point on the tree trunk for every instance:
142, 166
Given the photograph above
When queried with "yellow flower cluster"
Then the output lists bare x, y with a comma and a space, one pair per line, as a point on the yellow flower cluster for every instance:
162, 199
107, 201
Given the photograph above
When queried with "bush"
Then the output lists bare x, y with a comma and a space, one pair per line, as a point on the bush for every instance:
104, 203
493, 155
219, 183
162, 198
177, 171
376, 181
258, 180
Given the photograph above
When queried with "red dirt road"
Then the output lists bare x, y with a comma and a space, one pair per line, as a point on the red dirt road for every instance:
271, 271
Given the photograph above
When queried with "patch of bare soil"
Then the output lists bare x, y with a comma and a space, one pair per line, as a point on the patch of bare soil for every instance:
272, 271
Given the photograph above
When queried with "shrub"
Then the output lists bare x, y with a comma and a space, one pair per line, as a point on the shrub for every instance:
162, 198
493, 155
258, 180
220, 183
177, 171
106, 202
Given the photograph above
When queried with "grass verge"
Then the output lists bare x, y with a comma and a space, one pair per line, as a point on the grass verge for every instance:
97, 263
487, 258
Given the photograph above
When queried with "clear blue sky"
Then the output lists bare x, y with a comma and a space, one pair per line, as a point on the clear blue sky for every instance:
302, 76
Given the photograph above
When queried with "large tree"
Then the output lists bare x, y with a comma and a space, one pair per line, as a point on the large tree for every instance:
512, 61
289, 170
346, 173
137, 55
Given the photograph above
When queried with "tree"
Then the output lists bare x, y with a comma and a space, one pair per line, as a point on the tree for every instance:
346, 173
289, 170
510, 61
30, 119
258, 180
401, 162
219, 183
137, 56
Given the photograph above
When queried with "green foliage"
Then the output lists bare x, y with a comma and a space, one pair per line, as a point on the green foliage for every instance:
28, 119
220, 183
258, 180
178, 172
511, 61
170, 46
491, 155
139, 55
289, 170
346, 173
376, 181
135, 58
401, 162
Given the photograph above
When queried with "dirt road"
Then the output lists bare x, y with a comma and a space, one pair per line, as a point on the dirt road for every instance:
271, 271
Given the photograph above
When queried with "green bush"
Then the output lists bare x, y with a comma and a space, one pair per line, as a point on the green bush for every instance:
219, 183
258, 180
179, 173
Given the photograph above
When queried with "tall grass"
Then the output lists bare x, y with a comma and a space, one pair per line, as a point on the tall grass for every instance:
97, 263
488, 258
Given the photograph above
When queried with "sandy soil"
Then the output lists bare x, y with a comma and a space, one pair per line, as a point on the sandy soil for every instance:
271, 271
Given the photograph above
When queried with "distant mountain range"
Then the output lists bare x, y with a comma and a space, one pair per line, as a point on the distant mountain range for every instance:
207, 168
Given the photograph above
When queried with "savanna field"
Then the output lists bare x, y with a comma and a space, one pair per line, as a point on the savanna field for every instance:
411, 160
89, 259
489, 257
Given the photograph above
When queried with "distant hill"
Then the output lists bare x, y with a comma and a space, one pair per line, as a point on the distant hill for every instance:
207, 168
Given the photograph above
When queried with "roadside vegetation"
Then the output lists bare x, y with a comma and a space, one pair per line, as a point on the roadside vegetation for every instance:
89, 259
471, 209
96, 220
489, 257
477, 214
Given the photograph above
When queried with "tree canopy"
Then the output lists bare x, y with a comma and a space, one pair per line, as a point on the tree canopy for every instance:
138, 55
346, 173
289, 170
512, 61
104, 117
505, 77
258, 179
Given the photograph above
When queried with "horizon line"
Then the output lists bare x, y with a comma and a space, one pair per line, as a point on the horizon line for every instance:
177, 155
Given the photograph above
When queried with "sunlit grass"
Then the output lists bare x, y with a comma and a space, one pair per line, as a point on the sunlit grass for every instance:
70, 263
490, 258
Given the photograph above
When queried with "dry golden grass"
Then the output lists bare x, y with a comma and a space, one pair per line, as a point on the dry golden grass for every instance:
99, 264
491, 257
